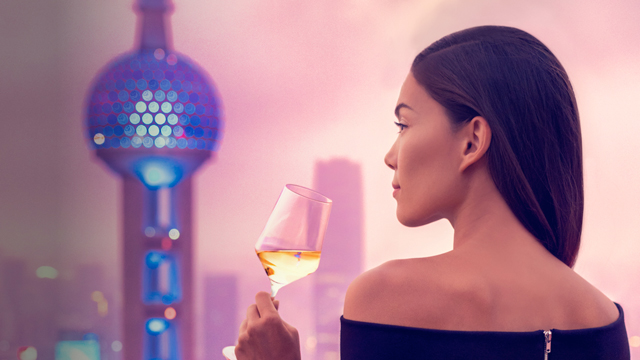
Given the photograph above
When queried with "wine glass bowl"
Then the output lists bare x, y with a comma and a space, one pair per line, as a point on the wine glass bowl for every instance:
290, 244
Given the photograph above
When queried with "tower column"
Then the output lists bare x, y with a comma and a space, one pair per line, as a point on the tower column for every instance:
135, 246
132, 256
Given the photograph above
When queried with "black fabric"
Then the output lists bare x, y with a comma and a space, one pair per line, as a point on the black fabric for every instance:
370, 341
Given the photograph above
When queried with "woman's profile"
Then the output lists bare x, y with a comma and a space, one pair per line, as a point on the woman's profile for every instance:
489, 139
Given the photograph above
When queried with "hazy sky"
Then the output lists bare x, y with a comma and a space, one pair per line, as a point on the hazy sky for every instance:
300, 81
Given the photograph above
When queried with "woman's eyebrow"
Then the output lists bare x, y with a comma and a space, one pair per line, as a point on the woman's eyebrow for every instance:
400, 106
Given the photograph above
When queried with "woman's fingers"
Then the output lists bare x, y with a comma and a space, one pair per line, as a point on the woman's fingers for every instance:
266, 307
252, 314
264, 335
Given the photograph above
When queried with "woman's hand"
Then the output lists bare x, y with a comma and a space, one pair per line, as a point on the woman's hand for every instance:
264, 335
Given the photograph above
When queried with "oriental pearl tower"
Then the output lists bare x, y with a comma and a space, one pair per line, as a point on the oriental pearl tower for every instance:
153, 117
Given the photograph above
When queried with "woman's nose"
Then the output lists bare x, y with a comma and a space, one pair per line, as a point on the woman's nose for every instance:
390, 158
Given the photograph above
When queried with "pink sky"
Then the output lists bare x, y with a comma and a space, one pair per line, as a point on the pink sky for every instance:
300, 81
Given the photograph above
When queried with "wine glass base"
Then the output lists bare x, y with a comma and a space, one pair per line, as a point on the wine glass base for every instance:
229, 352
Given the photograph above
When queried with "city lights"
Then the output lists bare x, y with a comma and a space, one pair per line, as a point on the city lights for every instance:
158, 172
166, 244
103, 304
154, 258
116, 346
157, 326
103, 308
170, 313
97, 296
311, 342
149, 231
27, 353
160, 278
78, 350
46, 272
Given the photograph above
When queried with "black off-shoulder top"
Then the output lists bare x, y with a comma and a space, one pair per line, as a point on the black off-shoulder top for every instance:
370, 341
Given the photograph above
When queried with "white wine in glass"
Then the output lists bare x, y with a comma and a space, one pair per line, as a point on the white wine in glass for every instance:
289, 246
286, 266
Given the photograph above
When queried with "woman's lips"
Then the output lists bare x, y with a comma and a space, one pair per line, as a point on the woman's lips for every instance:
396, 189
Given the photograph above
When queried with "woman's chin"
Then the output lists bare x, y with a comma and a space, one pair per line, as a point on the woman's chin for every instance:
409, 221
412, 221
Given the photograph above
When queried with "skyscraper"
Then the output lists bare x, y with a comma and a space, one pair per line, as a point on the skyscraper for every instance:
220, 313
342, 250
14, 330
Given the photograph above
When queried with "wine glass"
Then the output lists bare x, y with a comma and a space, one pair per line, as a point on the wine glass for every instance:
289, 246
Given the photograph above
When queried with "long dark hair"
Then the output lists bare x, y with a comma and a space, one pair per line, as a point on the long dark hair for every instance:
514, 81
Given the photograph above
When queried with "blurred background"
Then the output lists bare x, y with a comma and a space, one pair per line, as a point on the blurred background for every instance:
307, 88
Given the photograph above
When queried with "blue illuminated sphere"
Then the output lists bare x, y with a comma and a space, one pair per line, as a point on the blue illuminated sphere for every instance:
153, 106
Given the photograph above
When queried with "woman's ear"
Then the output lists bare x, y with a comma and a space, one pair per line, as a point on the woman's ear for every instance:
476, 136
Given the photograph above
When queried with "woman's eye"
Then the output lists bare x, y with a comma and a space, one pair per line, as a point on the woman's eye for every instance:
400, 126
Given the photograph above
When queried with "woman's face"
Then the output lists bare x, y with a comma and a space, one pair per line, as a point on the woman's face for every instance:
425, 157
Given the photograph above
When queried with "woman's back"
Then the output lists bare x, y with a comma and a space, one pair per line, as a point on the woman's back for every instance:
456, 291
456, 306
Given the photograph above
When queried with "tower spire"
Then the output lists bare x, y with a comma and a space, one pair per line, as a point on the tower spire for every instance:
153, 33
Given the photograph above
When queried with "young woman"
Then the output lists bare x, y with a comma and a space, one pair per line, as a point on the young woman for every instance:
489, 139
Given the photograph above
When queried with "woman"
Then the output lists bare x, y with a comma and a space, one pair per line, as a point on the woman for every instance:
489, 139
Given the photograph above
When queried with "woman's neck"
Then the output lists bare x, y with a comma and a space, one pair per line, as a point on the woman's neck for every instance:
484, 222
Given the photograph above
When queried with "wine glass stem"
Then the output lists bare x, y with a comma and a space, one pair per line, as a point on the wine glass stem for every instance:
274, 288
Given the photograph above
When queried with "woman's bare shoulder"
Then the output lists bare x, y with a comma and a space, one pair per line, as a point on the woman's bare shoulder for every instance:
410, 292
588, 306
368, 295
365, 292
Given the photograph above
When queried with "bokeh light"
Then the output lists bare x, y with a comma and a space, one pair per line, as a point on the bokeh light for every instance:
149, 231
153, 259
157, 172
166, 244
98, 139
156, 326
634, 341
103, 308
174, 234
77, 350
91, 337
311, 343
170, 313
160, 142
97, 296
159, 54
116, 346
46, 272
27, 353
